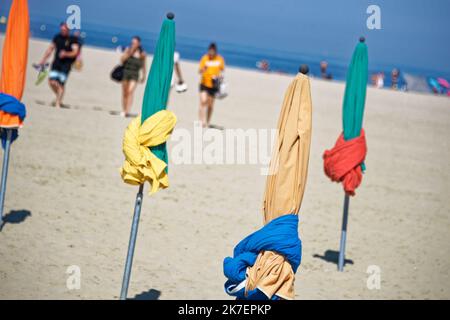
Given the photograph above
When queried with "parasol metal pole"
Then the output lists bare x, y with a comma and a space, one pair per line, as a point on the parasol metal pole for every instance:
343, 234
5, 172
132, 243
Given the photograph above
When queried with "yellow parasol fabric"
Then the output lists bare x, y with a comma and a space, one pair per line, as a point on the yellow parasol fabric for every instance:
141, 164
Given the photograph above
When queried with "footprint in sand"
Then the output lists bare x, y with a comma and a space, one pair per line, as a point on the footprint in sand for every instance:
53, 104
118, 113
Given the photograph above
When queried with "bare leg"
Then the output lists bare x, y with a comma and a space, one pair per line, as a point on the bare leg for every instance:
59, 96
58, 89
178, 72
131, 87
209, 110
124, 96
53, 85
203, 106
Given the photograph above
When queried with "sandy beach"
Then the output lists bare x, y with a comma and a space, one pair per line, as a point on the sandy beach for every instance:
74, 209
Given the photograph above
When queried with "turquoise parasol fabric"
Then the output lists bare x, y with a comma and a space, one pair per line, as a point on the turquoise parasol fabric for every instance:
355, 93
159, 78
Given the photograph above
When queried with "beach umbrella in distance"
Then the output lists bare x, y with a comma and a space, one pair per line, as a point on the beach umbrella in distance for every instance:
264, 263
444, 83
12, 83
344, 163
434, 84
144, 140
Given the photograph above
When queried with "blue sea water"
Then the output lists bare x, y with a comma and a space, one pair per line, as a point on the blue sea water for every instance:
235, 55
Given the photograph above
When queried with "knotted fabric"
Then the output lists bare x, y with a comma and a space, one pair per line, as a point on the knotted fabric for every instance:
12, 114
343, 163
141, 164
264, 263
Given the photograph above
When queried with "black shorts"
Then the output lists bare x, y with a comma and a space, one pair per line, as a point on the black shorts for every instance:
211, 91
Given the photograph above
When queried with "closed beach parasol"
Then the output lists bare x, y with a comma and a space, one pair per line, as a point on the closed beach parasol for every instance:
444, 83
12, 83
264, 264
144, 140
344, 163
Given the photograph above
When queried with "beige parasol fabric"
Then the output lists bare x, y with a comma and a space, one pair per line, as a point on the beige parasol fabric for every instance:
272, 273
289, 164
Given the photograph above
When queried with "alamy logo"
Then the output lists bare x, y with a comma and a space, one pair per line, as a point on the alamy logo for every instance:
73, 281
374, 19
74, 19
374, 278
220, 147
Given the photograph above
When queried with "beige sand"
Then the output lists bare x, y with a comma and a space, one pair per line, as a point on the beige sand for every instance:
64, 170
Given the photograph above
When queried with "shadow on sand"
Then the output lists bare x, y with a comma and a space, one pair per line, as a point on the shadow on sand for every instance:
15, 217
216, 126
151, 294
332, 256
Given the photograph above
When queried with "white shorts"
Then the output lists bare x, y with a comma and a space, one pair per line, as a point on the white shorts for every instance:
59, 76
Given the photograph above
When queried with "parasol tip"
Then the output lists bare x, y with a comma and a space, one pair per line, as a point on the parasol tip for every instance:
362, 39
304, 69
170, 15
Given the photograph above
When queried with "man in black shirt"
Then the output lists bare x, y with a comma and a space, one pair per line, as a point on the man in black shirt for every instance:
66, 49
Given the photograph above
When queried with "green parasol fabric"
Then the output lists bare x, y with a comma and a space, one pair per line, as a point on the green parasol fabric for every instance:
355, 92
158, 82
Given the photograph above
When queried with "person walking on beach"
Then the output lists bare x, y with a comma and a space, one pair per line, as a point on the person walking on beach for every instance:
378, 80
180, 85
133, 61
66, 50
395, 74
211, 67
324, 70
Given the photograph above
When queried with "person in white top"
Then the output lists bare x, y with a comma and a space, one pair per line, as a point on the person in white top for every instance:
180, 85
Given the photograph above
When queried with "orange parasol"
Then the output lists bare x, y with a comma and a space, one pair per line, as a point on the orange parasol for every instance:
12, 82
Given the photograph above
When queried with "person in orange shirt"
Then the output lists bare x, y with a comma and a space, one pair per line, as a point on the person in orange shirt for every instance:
211, 67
